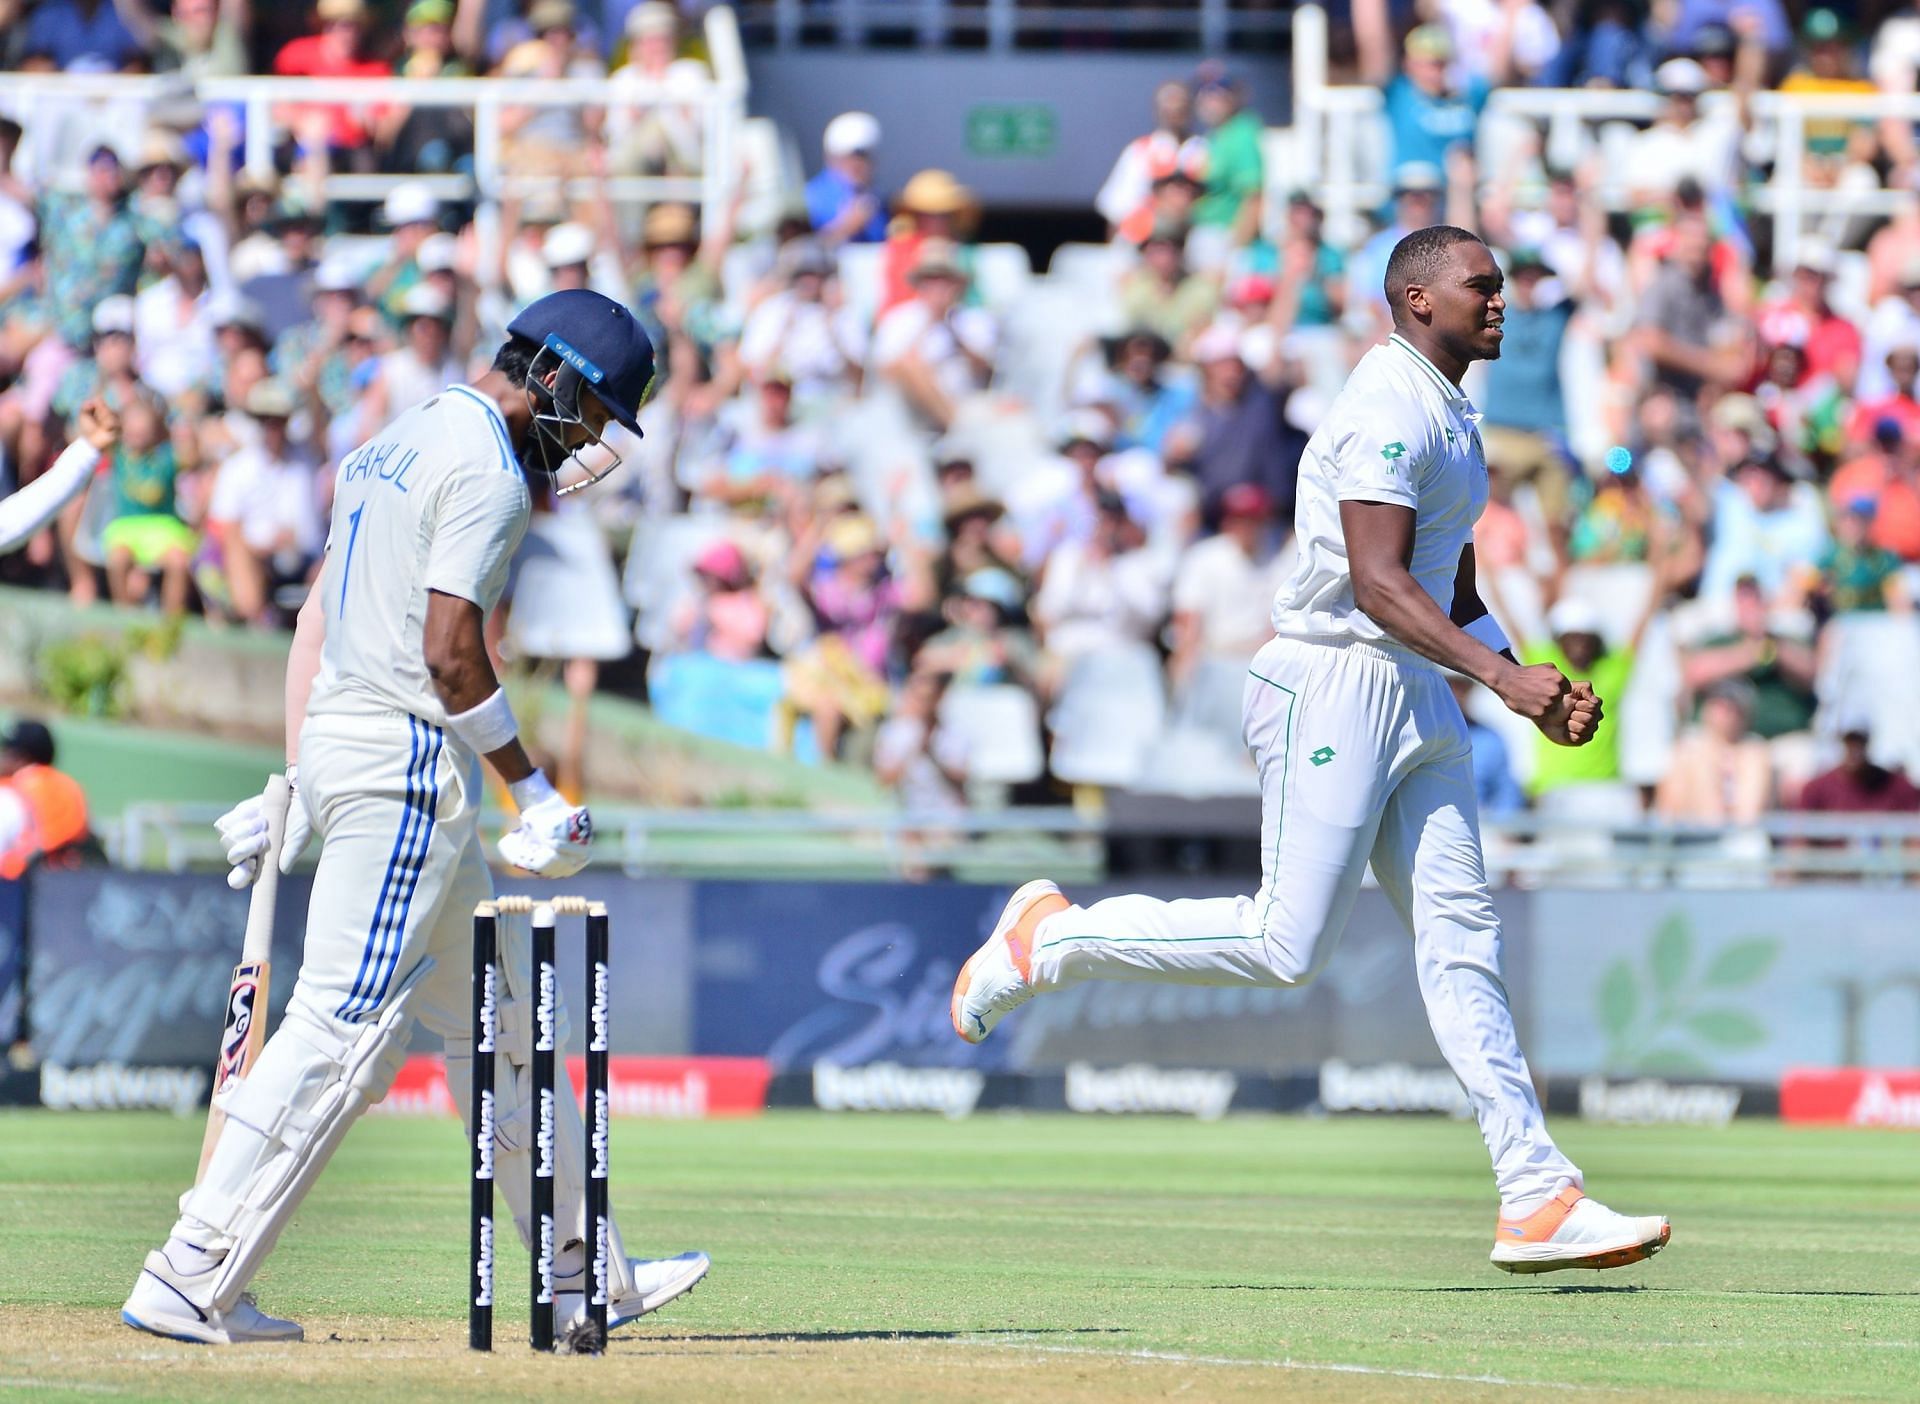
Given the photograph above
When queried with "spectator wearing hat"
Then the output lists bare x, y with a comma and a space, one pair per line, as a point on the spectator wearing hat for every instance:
979, 539
1886, 478
1854, 575
726, 618
1429, 115
983, 644
90, 248
933, 207
254, 214
263, 519
1803, 317
154, 198
1766, 526
436, 39
173, 326
1590, 785
519, 25
422, 364
1224, 585
1683, 143
1162, 295
842, 204
839, 681
43, 811
655, 138
1721, 773
575, 257
1525, 424
1058, 500
935, 351
758, 458
806, 331
1776, 668
1420, 194
411, 213
85, 34
1146, 401
1234, 171
1834, 145
1856, 785
1239, 432
146, 536
1897, 403
677, 297
340, 49
1126, 197
546, 140
311, 358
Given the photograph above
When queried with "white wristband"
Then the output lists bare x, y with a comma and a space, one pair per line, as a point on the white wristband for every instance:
487, 727
530, 791
1487, 629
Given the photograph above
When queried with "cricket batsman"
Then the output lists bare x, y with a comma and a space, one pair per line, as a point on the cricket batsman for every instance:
1363, 757
392, 705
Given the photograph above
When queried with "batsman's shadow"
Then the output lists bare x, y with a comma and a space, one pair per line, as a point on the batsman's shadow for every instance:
879, 1334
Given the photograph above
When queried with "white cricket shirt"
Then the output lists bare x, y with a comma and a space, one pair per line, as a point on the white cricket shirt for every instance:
436, 501
1399, 432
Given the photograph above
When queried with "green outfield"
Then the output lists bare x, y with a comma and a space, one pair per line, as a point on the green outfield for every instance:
1040, 1258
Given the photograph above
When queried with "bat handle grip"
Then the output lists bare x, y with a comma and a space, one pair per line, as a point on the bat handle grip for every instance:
275, 801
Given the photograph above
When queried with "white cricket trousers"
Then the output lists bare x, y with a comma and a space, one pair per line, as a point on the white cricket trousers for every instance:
1363, 756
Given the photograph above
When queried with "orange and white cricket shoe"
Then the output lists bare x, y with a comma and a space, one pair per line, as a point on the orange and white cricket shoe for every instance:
998, 978
1572, 1231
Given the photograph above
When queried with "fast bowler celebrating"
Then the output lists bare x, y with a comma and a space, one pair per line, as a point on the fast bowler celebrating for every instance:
392, 703
1363, 756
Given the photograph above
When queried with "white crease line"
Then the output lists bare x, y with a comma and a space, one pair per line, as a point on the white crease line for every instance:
1167, 1357
71, 1386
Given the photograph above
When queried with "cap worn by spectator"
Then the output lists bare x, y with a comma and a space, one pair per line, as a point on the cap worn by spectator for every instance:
1417, 177
410, 202
1086, 426
340, 11
806, 258
438, 253
1714, 41
669, 226
423, 301
968, 503
722, 562
1680, 77
852, 134
1744, 414
652, 19
546, 205
567, 245
1246, 500
430, 12
29, 742
1166, 231
934, 192
242, 313
939, 258
336, 274
549, 15
995, 586
1816, 256
1822, 27
1216, 343
1528, 261
113, 315
853, 535
160, 147
1572, 615
1179, 175
1249, 290
1429, 41
269, 399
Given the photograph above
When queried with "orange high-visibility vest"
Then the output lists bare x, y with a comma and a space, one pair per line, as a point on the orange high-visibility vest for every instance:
56, 815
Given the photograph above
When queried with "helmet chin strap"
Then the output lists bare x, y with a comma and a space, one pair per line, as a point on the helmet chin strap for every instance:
555, 410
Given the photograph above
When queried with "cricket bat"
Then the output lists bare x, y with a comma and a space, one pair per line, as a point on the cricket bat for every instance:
246, 1022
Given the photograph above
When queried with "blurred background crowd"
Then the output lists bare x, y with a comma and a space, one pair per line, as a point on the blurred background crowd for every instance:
904, 502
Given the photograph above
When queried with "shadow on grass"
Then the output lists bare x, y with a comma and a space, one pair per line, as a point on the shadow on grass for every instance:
881, 1334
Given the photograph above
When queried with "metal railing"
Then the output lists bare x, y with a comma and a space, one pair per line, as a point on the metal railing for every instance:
93, 106
1339, 138
1000, 26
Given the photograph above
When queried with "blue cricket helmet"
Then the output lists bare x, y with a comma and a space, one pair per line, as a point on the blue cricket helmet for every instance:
600, 341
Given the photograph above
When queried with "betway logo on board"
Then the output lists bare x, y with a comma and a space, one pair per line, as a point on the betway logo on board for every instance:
117, 1087
1390, 1087
1140, 1087
1653, 1102
1851, 1096
674, 1089
953, 1092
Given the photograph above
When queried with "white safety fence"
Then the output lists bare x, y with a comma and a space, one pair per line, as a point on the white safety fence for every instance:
65, 115
1338, 144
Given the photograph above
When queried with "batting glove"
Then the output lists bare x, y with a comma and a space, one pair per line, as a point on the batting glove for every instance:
243, 832
554, 835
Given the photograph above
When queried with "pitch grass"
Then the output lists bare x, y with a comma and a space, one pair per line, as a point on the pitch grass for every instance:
1038, 1258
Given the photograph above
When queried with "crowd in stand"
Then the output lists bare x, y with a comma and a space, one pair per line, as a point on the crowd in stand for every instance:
903, 504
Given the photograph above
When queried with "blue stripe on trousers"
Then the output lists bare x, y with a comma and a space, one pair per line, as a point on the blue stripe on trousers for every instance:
394, 862
410, 881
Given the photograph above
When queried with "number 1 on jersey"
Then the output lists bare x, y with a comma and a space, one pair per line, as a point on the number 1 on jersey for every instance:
346, 567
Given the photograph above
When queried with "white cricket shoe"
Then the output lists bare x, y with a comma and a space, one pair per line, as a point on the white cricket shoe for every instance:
656, 1281
163, 1303
1572, 1231
998, 978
